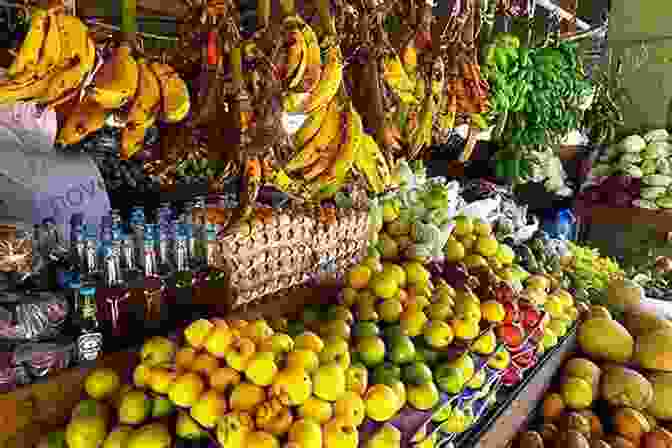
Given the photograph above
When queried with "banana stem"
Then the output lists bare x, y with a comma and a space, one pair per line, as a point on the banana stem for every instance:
263, 13
129, 25
326, 20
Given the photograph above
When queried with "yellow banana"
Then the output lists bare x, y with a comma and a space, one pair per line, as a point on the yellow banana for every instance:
52, 50
175, 102
133, 137
115, 83
78, 47
310, 153
326, 89
296, 57
29, 54
354, 129
310, 127
422, 134
145, 103
371, 162
396, 78
326, 159
85, 118
313, 57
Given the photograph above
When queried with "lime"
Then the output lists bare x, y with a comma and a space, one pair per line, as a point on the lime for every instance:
386, 373
416, 373
371, 350
365, 329
401, 350
450, 379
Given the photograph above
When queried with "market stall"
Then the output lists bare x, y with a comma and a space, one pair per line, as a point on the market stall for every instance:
269, 255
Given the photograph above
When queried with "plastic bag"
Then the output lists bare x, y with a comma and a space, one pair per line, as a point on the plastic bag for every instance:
31, 318
40, 360
484, 209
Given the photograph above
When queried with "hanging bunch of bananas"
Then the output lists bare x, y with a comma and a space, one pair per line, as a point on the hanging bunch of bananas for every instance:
330, 141
53, 63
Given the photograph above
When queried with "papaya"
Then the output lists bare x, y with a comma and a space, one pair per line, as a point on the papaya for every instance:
641, 322
661, 406
623, 387
605, 339
653, 351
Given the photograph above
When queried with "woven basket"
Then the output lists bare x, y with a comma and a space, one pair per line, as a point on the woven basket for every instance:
292, 249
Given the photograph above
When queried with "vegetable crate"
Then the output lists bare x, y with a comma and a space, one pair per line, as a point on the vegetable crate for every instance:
291, 249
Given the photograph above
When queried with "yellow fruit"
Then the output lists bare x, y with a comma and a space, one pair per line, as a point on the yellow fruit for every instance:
186, 389
400, 391
463, 226
205, 363
141, 375
118, 437
487, 246
474, 261
161, 379
577, 393
292, 386
209, 409
389, 310
606, 339
316, 409
454, 251
187, 428
381, 403
246, 397
85, 432
359, 276
349, 296
505, 254
412, 322
493, 311
329, 382
423, 397
224, 378
305, 434
185, 357
308, 341
261, 369
134, 408
397, 272
351, 408
219, 341
154, 435
416, 274
157, 350
384, 286
102, 383
260, 439
303, 359
198, 332
338, 434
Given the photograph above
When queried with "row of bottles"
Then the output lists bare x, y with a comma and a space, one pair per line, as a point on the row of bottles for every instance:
119, 273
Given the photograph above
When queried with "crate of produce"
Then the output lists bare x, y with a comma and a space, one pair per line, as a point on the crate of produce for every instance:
289, 249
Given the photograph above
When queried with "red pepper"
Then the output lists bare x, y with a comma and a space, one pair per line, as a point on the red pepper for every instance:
212, 48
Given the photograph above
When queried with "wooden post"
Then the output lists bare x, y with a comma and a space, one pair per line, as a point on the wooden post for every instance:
571, 6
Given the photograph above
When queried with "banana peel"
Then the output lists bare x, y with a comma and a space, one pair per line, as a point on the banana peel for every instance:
86, 117
147, 99
28, 55
175, 99
116, 81
133, 137
397, 79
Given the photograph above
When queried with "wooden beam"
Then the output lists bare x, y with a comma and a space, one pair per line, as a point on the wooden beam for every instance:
571, 6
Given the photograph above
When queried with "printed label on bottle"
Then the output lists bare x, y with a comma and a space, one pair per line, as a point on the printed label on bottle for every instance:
89, 346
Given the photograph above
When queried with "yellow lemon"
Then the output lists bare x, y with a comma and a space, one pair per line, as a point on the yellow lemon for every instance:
351, 408
316, 409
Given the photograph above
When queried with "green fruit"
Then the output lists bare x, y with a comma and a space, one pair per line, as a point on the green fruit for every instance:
295, 328
371, 351
449, 379
402, 350
416, 373
392, 332
426, 355
386, 373
162, 407
365, 329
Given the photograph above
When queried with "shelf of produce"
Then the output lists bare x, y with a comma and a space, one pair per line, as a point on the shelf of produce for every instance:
601, 214
500, 425
31, 411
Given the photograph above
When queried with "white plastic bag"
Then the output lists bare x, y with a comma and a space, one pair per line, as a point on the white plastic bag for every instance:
484, 209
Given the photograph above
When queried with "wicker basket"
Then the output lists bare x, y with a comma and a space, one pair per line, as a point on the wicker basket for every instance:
292, 249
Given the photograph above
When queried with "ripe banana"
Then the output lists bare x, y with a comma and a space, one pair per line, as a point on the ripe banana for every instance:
29, 54
397, 79
326, 159
409, 58
313, 57
78, 48
422, 134
133, 137
312, 151
296, 57
345, 158
52, 48
115, 83
175, 102
85, 118
310, 127
146, 102
369, 160
326, 89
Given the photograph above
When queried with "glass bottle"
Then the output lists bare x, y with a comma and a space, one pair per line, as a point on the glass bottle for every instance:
89, 334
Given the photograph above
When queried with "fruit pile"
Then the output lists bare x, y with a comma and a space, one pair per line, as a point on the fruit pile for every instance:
58, 65
615, 392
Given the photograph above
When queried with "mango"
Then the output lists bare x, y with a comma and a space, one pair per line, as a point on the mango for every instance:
606, 339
